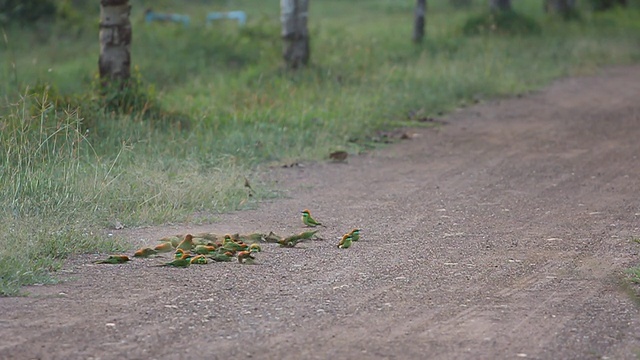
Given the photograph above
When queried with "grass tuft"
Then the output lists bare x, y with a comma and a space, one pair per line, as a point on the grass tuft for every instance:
503, 23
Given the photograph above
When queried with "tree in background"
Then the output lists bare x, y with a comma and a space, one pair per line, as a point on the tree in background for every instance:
418, 24
293, 15
26, 11
601, 5
461, 3
115, 43
565, 8
500, 5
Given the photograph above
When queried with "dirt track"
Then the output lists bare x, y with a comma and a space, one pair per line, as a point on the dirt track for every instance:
502, 234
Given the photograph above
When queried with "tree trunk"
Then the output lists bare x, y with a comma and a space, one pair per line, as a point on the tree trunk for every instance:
601, 5
115, 42
293, 15
418, 25
562, 7
500, 5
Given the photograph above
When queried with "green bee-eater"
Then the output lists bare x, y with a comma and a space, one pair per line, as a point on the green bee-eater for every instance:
174, 240
253, 238
114, 259
199, 259
187, 243
272, 238
245, 257
291, 241
204, 249
208, 236
179, 253
229, 244
145, 252
307, 234
255, 248
345, 242
226, 256
355, 234
164, 247
183, 261
308, 220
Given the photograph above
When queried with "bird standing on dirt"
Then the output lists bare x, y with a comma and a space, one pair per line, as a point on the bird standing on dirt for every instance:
355, 234
290, 241
198, 260
307, 234
174, 240
222, 257
229, 244
204, 249
183, 261
114, 259
145, 252
308, 220
179, 253
187, 243
254, 248
253, 238
245, 257
345, 242
164, 247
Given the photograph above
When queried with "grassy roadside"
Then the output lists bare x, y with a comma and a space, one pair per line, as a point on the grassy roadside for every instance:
222, 107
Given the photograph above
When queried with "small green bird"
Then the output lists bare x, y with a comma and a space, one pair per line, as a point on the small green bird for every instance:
114, 259
208, 236
272, 238
145, 252
221, 257
229, 244
187, 243
308, 220
199, 260
204, 249
255, 248
199, 241
307, 234
164, 247
291, 241
345, 242
253, 238
355, 234
179, 253
245, 257
183, 261
174, 240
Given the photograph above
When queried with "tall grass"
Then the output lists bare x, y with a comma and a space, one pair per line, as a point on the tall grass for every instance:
215, 104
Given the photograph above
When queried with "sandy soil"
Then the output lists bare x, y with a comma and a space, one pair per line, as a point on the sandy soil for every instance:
503, 234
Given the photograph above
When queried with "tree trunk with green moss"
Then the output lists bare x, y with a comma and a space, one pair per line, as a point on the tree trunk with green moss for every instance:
115, 42
295, 34
419, 20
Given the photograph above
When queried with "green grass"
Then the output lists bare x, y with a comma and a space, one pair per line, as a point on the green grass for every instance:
218, 106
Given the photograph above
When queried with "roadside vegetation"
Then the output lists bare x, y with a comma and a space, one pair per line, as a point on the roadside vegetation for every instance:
213, 105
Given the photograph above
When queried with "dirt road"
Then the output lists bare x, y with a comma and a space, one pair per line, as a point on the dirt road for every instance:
501, 235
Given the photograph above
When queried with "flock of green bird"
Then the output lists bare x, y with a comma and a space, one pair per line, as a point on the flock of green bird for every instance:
202, 248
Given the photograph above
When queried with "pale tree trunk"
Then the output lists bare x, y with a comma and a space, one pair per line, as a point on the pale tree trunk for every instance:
418, 24
562, 7
115, 42
293, 15
500, 5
